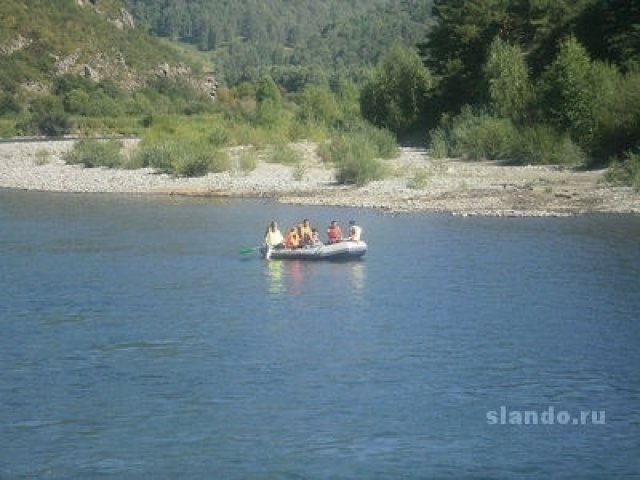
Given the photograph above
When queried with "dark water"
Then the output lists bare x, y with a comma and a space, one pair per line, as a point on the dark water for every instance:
136, 343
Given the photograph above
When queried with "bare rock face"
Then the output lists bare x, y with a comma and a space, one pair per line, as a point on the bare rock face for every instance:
205, 83
91, 74
124, 21
15, 45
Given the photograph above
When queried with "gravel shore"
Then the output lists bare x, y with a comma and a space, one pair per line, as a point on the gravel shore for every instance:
417, 183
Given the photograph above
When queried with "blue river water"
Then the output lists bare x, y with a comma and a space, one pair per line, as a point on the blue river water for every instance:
136, 342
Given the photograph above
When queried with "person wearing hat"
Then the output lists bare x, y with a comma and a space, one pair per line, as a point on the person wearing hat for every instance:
355, 232
334, 234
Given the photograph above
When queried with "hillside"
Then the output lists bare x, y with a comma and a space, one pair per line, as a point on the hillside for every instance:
292, 40
42, 40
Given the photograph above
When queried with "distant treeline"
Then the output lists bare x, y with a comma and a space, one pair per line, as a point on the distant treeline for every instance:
521, 81
294, 41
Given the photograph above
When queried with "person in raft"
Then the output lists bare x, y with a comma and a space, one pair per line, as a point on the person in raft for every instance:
315, 238
305, 232
355, 232
273, 237
334, 234
293, 238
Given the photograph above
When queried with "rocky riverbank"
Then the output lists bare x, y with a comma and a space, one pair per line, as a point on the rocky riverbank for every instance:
417, 183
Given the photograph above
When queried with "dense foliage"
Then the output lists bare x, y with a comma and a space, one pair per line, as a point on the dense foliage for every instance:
296, 42
535, 81
522, 81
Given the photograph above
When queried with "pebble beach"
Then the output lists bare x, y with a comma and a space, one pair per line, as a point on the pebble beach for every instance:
416, 182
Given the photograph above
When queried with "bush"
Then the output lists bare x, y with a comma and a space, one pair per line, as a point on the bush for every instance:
247, 161
284, 154
49, 118
9, 104
384, 142
481, 136
439, 143
356, 160
420, 178
96, 153
153, 156
182, 158
625, 171
543, 145
318, 105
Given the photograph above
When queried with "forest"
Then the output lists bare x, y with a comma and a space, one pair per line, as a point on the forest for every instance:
522, 81
518, 81
291, 40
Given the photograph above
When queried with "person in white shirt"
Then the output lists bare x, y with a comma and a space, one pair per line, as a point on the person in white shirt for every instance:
273, 237
355, 232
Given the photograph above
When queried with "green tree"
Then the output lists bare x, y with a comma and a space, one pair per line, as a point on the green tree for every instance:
267, 90
317, 104
507, 78
569, 94
49, 118
397, 91
456, 47
609, 30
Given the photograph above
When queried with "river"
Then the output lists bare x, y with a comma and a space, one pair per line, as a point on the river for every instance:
137, 342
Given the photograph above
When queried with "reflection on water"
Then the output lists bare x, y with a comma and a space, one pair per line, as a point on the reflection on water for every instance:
274, 278
296, 277
358, 276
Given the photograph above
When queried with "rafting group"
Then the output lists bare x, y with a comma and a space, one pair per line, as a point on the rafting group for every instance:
304, 235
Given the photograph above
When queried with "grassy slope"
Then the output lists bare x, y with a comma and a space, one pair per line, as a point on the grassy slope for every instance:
55, 29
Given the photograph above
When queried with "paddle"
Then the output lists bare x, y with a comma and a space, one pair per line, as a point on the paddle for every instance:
248, 250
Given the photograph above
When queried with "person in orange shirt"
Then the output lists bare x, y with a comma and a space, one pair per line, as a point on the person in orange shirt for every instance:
334, 233
293, 238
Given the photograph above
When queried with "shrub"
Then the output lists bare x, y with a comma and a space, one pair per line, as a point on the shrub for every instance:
9, 104
96, 153
282, 153
318, 105
356, 160
267, 90
43, 156
481, 136
49, 118
247, 161
540, 144
420, 178
182, 158
153, 156
439, 143
383, 141
625, 171
299, 171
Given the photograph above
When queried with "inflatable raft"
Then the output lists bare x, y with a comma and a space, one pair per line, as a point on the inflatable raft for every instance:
345, 250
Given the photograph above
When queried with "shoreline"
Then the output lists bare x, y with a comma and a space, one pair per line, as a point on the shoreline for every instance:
418, 183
